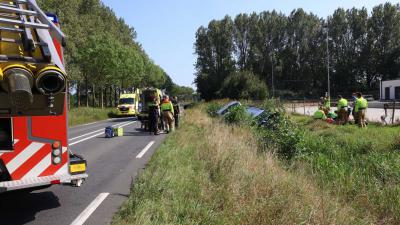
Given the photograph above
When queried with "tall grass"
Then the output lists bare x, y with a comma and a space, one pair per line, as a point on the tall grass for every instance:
361, 166
84, 115
209, 172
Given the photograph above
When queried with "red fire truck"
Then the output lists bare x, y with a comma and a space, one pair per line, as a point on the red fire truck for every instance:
34, 149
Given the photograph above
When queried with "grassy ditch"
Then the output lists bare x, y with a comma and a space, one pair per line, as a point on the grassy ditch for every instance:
84, 115
360, 166
209, 172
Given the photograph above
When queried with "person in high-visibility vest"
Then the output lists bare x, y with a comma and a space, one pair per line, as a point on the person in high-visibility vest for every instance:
342, 106
353, 112
325, 104
320, 114
360, 109
167, 110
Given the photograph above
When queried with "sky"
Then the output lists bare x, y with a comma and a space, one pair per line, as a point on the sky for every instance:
166, 28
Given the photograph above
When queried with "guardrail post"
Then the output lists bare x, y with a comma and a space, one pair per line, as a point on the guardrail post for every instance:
394, 110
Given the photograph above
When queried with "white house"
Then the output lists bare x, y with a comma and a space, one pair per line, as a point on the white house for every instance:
390, 90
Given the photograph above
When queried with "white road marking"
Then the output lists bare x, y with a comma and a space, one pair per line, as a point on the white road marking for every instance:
81, 219
82, 125
98, 134
71, 139
85, 139
86, 124
141, 154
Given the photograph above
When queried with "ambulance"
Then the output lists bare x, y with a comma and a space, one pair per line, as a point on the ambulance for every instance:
128, 104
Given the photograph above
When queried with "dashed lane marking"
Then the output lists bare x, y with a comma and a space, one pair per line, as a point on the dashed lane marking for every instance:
81, 219
148, 146
97, 134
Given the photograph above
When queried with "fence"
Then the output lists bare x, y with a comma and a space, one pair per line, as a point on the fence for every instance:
294, 105
390, 111
384, 112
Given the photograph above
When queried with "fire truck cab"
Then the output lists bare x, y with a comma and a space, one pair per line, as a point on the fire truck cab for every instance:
34, 151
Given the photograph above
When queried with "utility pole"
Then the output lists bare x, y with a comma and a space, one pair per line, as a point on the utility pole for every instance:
272, 73
327, 56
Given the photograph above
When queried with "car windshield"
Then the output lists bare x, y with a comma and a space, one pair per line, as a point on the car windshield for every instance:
227, 107
254, 112
124, 101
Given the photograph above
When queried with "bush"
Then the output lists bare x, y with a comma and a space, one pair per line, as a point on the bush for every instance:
243, 85
237, 115
275, 129
278, 131
212, 109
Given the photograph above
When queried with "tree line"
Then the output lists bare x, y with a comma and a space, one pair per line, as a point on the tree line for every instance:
102, 54
288, 53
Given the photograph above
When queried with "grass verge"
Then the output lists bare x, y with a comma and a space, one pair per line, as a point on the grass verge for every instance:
212, 173
359, 166
85, 115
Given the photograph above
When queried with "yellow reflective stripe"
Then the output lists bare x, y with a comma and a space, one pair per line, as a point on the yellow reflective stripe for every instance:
16, 66
12, 66
54, 68
50, 68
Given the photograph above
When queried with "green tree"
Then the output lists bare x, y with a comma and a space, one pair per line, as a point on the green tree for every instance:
244, 85
101, 51
362, 50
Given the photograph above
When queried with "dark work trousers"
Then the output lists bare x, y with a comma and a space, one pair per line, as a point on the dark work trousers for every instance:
176, 117
176, 113
153, 119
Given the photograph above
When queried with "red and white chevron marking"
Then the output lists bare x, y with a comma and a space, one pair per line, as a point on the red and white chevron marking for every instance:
31, 160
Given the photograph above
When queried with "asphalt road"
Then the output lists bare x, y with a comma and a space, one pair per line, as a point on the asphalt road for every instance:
112, 167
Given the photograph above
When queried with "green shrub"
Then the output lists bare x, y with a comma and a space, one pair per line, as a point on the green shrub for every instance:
237, 115
275, 129
243, 85
273, 105
212, 109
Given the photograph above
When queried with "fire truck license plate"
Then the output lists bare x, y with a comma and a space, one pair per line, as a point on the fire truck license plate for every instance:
76, 168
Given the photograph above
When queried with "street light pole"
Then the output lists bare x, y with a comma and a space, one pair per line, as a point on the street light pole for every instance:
327, 56
272, 77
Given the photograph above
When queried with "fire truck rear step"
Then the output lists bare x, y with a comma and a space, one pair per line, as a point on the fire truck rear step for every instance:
40, 181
